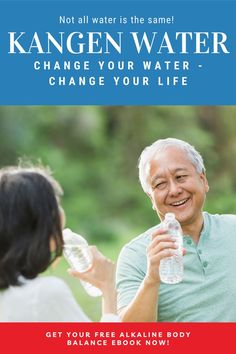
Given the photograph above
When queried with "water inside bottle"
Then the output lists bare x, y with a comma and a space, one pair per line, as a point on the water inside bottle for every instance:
78, 256
171, 269
91, 290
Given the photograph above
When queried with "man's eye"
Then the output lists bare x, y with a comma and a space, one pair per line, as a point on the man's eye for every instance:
181, 177
160, 185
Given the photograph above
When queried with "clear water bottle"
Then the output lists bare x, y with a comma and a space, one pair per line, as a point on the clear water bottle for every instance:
171, 268
77, 253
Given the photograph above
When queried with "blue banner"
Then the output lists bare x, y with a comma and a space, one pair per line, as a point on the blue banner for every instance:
102, 53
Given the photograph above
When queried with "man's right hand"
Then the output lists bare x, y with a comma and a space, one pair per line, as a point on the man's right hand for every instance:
162, 245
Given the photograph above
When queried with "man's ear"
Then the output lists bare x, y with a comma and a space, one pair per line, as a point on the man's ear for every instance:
205, 181
152, 201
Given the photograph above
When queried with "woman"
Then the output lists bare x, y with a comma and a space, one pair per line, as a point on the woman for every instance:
31, 223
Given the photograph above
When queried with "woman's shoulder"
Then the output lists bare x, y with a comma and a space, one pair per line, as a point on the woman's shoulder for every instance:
40, 287
51, 284
52, 291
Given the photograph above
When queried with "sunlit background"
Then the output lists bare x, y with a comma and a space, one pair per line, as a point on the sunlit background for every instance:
93, 153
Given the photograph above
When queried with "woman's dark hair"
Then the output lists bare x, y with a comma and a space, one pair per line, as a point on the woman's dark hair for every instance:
30, 222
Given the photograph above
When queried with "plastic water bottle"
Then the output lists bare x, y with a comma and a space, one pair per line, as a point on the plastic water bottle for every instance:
171, 268
77, 253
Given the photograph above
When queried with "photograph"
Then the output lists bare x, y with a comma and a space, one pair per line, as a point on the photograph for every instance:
111, 179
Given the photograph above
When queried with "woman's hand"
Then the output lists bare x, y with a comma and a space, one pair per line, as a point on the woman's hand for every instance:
101, 273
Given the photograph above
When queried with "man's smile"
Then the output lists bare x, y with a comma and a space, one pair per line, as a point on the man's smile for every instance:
180, 202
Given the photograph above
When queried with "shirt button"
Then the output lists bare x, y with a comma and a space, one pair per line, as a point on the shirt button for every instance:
205, 264
189, 242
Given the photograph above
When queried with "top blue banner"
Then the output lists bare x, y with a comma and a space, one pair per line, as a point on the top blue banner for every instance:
102, 53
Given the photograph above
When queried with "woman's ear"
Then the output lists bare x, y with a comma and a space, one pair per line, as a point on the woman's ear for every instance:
62, 216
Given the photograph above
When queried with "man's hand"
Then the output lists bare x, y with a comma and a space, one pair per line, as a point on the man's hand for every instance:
162, 245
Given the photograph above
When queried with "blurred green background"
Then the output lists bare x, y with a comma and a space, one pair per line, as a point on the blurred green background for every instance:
93, 153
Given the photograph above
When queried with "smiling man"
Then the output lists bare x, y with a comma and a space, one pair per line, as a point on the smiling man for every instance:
172, 174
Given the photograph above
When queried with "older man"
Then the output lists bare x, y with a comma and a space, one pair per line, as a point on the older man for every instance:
172, 174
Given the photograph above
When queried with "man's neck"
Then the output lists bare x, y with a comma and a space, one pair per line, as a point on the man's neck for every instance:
194, 229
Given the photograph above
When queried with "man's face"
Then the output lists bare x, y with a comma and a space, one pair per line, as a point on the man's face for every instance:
176, 186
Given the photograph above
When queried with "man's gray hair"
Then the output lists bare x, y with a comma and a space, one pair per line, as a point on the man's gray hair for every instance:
150, 152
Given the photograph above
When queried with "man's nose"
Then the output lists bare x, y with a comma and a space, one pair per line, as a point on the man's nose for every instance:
174, 189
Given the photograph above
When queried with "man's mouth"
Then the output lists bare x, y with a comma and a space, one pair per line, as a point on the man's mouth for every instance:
180, 202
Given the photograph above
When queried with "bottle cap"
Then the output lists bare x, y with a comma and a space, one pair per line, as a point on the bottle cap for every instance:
169, 216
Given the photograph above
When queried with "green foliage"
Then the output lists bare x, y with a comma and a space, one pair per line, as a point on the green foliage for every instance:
93, 152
